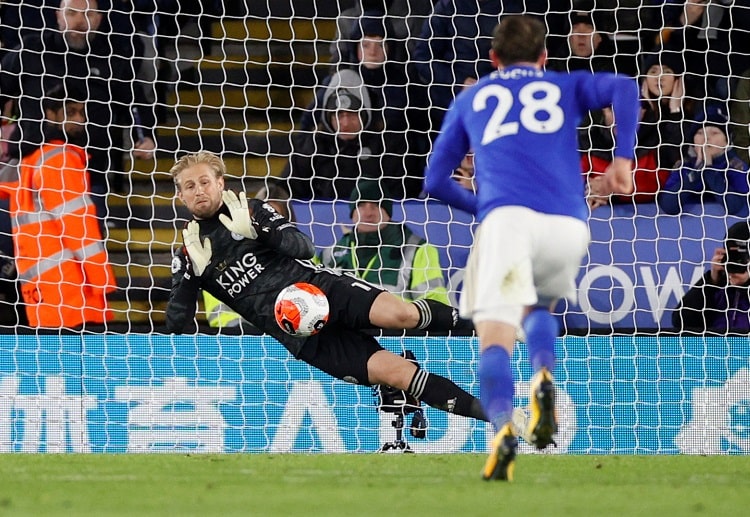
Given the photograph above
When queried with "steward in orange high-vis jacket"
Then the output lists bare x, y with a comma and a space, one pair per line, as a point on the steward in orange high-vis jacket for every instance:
60, 254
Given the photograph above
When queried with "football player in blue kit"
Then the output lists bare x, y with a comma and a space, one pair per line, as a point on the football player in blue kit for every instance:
521, 124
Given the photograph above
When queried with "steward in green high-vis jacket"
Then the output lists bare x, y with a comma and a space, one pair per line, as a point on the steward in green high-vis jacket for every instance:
384, 252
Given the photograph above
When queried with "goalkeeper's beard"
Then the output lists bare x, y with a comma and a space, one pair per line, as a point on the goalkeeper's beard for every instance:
204, 210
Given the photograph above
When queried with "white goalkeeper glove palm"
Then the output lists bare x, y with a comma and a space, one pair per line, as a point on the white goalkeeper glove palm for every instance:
199, 254
241, 222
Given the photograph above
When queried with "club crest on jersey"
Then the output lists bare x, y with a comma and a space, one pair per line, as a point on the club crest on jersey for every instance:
176, 264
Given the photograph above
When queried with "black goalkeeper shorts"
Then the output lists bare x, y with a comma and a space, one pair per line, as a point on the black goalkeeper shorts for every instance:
349, 298
341, 352
342, 349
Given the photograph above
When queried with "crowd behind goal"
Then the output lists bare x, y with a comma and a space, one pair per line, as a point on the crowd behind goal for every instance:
163, 78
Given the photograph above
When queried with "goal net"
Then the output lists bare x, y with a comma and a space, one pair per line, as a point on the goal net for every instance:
260, 84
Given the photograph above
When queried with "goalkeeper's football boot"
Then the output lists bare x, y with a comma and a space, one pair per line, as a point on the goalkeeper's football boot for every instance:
418, 427
543, 421
502, 459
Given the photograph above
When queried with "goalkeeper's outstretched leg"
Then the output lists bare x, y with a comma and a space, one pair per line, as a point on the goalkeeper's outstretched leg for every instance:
388, 311
387, 368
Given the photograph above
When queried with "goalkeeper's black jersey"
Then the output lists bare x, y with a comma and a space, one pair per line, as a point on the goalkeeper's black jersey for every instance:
245, 274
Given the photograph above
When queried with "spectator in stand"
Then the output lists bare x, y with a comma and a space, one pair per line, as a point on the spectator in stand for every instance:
664, 107
59, 251
720, 301
452, 51
384, 252
218, 314
587, 48
84, 49
404, 17
349, 144
713, 173
369, 54
712, 36
739, 116
394, 101
633, 26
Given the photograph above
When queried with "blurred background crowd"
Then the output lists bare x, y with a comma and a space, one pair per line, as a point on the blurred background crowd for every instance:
305, 101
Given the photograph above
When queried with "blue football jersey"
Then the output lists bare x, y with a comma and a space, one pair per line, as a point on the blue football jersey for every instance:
521, 124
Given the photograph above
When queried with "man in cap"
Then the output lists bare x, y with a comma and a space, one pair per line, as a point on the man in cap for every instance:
347, 145
384, 252
720, 302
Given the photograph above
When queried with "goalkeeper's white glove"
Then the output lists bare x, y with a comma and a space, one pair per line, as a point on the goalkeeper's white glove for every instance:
241, 222
199, 254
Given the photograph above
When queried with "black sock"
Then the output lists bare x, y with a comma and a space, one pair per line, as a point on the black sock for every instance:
440, 393
434, 315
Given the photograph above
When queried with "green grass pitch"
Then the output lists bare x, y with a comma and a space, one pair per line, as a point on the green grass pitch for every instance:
369, 484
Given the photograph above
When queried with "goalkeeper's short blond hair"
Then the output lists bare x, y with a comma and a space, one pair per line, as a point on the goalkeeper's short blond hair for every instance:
212, 160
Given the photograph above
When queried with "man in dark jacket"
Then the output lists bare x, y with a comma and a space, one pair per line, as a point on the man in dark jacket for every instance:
453, 50
587, 48
720, 301
86, 51
244, 253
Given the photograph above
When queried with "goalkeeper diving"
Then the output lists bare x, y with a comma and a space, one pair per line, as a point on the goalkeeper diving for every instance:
244, 253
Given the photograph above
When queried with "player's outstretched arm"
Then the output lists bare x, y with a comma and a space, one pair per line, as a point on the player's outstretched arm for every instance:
277, 232
183, 295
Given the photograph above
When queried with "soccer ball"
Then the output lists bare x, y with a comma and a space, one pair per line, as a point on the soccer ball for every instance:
301, 309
